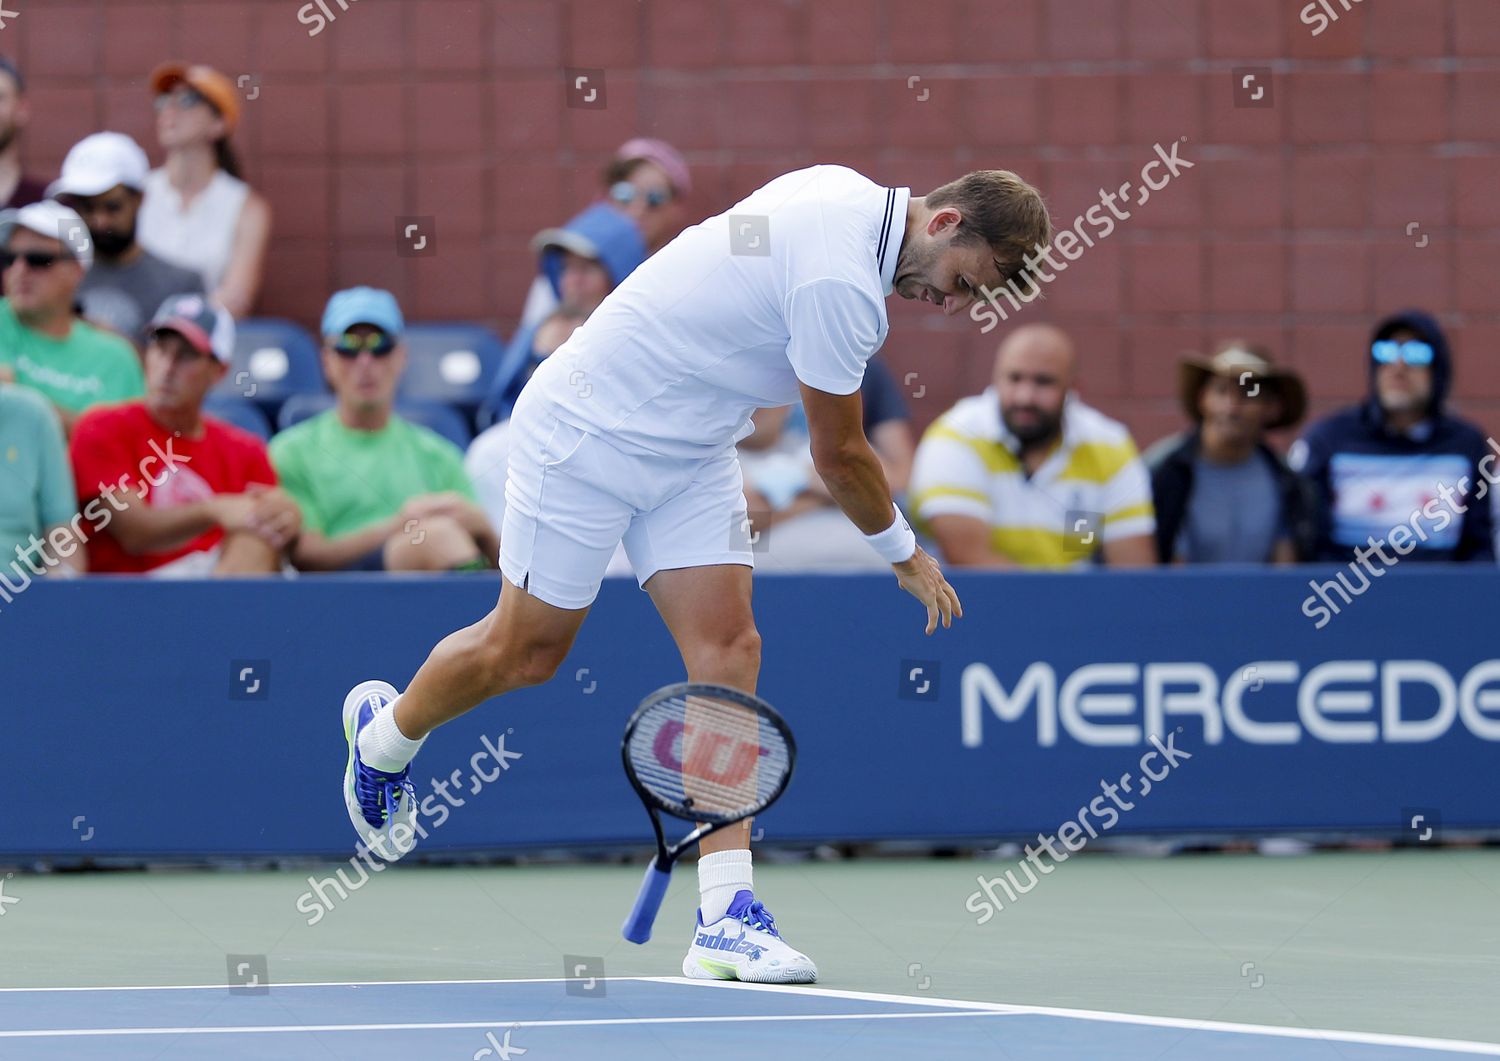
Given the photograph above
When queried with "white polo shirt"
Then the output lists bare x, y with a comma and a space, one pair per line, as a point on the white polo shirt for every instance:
788, 285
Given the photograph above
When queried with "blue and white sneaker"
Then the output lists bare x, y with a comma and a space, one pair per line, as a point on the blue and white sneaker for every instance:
745, 945
375, 799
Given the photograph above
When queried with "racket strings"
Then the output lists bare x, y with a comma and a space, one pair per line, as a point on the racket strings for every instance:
708, 758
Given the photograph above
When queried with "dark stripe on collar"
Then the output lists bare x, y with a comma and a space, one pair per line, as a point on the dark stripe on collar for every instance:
885, 229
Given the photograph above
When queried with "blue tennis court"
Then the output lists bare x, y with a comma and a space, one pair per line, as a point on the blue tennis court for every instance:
635, 1017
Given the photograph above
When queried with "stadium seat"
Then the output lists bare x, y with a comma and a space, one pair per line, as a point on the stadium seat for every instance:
241, 412
444, 419
273, 359
453, 363
436, 416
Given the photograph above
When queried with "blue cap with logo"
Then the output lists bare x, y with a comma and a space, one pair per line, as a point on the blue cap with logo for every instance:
363, 305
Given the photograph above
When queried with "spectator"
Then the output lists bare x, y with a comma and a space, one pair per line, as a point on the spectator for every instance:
189, 495
377, 492
488, 456
1399, 458
102, 179
43, 344
582, 262
37, 501
1221, 494
647, 179
782, 489
1026, 475
16, 189
199, 214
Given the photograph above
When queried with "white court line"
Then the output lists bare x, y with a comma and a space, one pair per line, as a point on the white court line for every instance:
49, 1033
327, 983
1000, 1009
1415, 1042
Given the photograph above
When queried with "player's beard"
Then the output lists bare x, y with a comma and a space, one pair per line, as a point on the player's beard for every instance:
913, 267
7, 135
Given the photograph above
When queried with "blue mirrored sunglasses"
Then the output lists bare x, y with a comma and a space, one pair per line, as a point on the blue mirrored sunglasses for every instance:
351, 345
1413, 352
625, 193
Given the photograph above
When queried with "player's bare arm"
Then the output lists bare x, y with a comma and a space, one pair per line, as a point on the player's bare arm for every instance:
850, 469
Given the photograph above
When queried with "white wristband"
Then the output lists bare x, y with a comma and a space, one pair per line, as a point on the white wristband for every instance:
896, 544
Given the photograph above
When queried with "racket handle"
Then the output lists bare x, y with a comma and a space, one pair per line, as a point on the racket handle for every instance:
637, 926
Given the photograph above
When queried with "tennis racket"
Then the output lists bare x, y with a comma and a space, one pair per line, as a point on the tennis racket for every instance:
708, 754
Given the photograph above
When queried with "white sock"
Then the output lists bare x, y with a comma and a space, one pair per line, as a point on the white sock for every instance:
383, 746
721, 876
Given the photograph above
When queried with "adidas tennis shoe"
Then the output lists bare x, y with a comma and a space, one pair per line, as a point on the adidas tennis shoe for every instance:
376, 800
745, 945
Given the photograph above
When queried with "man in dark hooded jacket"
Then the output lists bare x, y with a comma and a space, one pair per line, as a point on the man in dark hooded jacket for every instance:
1399, 459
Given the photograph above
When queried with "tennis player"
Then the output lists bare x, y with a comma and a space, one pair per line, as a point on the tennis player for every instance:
627, 433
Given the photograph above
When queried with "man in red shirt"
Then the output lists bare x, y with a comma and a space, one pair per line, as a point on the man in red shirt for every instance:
174, 492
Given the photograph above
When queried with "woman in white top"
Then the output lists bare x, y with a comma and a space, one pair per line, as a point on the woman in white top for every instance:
197, 212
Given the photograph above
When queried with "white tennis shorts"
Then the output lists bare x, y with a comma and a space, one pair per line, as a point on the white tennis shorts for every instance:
571, 497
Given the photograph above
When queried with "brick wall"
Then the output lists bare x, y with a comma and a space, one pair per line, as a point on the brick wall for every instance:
1291, 229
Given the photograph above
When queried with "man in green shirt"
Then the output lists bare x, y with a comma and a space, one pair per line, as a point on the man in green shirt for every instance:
44, 252
376, 491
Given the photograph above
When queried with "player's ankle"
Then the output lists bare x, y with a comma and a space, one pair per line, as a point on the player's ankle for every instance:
382, 745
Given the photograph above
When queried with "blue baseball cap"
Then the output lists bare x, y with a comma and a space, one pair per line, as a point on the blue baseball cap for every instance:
363, 305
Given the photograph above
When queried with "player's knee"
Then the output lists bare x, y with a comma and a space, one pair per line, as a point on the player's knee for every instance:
735, 652
532, 663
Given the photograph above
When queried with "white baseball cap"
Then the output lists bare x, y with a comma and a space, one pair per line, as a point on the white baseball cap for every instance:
53, 220
100, 162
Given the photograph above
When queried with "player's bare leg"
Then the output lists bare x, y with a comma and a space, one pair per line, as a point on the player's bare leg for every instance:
519, 643
708, 611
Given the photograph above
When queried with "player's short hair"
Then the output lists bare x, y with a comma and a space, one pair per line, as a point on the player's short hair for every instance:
1000, 209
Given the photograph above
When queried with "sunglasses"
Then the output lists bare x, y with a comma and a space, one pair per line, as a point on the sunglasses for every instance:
33, 259
182, 98
1413, 352
626, 193
349, 345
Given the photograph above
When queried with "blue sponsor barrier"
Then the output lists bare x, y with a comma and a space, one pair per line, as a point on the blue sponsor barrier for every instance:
147, 719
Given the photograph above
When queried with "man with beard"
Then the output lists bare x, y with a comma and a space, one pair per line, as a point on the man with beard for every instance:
102, 178
627, 433
16, 189
1026, 475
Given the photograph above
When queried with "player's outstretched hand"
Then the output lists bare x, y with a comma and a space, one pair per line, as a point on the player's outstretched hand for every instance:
923, 579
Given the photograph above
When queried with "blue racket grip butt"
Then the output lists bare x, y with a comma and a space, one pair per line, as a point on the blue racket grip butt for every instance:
637, 926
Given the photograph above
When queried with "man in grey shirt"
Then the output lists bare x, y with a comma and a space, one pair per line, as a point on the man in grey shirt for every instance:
1221, 494
102, 178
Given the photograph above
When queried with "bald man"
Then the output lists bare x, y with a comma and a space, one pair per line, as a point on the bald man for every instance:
1027, 475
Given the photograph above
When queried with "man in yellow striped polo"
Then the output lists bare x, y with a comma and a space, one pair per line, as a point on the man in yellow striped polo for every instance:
1027, 475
